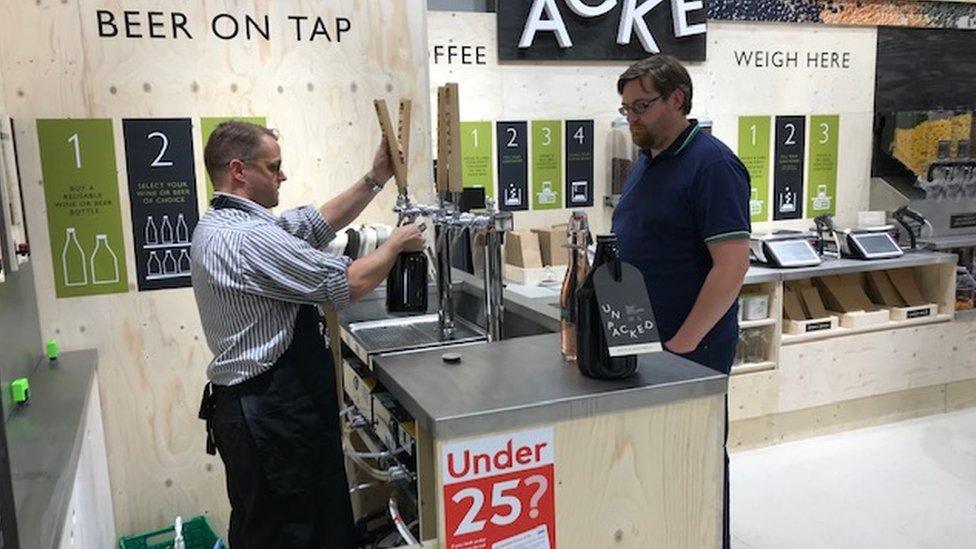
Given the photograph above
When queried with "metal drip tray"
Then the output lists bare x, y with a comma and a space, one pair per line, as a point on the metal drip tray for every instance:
403, 334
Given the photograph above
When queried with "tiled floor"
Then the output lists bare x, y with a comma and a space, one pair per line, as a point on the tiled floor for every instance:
907, 484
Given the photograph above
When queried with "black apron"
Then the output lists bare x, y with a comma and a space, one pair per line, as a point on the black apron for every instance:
280, 439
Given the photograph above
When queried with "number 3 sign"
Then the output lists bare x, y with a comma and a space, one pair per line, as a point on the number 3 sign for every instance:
499, 491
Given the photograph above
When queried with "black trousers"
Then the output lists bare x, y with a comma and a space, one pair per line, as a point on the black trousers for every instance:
719, 356
279, 437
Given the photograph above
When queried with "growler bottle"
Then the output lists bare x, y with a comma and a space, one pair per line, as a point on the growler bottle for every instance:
406, 285
577, 235
592, 355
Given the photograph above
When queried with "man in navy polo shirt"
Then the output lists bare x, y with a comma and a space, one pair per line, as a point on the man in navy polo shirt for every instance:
683, 216
683, 220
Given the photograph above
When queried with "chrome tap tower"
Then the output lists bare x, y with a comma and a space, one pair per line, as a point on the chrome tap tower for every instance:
489, 226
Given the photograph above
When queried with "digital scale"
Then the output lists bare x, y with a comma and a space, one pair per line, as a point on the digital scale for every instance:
784, 249
868, 243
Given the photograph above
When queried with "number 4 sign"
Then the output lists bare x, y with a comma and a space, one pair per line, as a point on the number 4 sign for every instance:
499, 491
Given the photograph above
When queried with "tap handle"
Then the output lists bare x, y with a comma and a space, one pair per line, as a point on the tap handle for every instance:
454, 138
448, 175
393, 147
442, 175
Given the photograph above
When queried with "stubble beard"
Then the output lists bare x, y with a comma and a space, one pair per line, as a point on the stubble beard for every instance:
641, 137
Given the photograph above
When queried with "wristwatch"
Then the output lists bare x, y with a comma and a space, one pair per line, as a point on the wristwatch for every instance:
374, 183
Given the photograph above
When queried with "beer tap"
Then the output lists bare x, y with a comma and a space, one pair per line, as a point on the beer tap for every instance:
406, 284
449, 222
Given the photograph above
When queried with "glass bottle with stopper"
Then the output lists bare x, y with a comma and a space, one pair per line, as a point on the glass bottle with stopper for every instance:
577, 237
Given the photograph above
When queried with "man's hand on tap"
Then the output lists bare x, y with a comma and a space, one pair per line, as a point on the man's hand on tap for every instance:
382, 164
409, 238
366, 273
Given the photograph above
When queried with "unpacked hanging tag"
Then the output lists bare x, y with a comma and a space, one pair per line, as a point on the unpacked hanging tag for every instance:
625, 311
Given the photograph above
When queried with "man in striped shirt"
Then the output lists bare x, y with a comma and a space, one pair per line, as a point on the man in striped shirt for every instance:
271, 404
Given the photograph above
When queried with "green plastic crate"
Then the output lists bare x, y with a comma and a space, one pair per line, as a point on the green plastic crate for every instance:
197, 534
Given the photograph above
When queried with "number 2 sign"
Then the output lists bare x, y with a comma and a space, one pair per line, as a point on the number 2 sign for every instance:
499, 491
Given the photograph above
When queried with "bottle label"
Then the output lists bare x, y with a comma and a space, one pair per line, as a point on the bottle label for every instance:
625, 311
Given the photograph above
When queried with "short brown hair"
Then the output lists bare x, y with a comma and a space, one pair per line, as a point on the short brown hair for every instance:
665, 72
230, 140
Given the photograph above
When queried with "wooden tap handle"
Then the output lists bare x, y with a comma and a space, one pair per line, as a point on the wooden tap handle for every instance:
454, 129
403, 130
389, 137
442, 180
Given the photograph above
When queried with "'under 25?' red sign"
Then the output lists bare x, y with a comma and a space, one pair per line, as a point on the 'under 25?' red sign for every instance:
499, 491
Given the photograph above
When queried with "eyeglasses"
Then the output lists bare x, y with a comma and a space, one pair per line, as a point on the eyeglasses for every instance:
638, 107
274, 167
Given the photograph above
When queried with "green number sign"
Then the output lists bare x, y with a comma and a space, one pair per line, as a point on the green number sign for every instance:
476, 166
81, 195
547, 164
754, 140
822, 197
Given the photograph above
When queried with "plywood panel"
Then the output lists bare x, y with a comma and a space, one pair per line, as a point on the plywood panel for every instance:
317, 94
838, 369
527, 92
723, 90
650, 478
426, 487
832, 418
647, 478
960, 395
753, 395
740, 90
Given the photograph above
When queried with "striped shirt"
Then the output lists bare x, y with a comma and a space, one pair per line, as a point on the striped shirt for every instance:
251, 272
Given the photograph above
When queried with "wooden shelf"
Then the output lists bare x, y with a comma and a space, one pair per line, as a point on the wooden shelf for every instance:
751, 367
791, 339
746, 324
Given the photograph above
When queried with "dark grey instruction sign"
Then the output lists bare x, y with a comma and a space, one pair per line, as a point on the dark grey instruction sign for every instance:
579, 163
163, 194
788, 167
513, 165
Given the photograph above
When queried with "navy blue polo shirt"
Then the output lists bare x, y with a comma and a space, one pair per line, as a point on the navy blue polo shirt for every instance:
671, 206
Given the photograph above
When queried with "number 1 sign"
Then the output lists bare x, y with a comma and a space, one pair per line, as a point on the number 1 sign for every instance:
499, 491
81, 194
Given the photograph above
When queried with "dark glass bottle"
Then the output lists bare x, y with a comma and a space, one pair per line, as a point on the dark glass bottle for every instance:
592, 356
406, 285
577, 235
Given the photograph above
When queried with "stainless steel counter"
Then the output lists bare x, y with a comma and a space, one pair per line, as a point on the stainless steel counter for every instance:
758, 274
520, 382
845, 266
523, 380
834, 266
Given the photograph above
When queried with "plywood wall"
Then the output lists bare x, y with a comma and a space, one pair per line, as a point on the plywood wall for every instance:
819, 373
723, 91
3, 97
152, 353
535, 91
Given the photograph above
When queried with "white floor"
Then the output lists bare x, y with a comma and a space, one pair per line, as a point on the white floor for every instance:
907, 484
